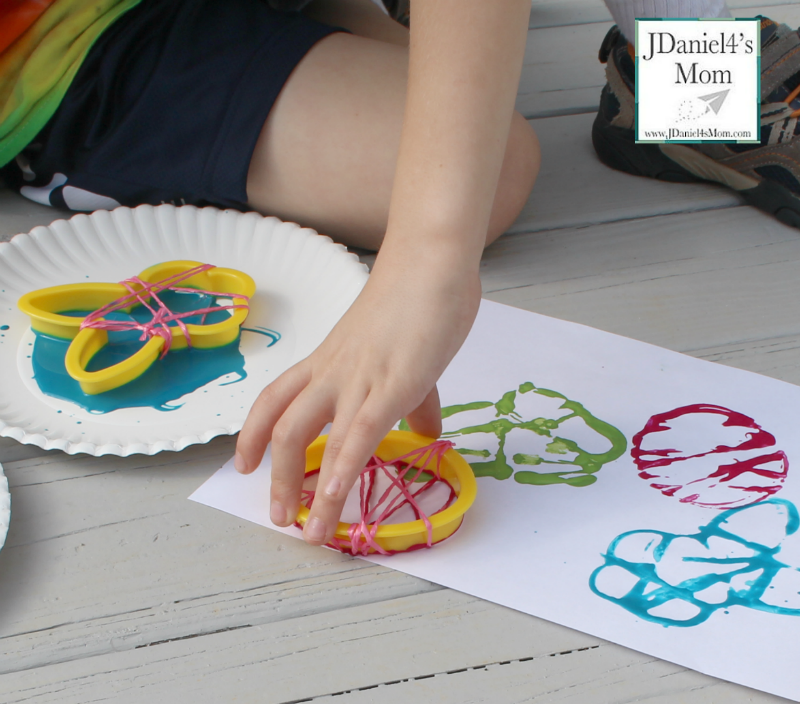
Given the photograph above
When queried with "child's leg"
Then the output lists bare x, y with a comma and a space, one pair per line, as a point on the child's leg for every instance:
167, 106
327, 153
175, 103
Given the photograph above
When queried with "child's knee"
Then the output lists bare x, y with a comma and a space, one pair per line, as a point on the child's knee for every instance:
520, 169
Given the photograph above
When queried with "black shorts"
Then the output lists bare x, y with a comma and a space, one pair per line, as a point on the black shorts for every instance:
167, 106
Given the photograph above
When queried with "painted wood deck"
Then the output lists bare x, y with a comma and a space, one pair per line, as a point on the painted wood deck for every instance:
115, 588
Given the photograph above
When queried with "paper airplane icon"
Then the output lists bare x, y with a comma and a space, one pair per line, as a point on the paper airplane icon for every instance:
714, 100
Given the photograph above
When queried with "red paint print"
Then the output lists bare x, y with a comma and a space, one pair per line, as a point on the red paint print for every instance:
709, 456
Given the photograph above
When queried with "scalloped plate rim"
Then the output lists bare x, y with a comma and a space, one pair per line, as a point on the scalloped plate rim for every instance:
5, 513
167, 444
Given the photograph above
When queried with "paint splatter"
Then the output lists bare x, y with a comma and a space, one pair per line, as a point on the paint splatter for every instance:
709, 456
273, 335
556, 446
682, 580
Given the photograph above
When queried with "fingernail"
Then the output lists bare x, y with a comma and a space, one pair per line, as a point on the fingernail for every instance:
334, 485
277, 513
315, 530
240, 464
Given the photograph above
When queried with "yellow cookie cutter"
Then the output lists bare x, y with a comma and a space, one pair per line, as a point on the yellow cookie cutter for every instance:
44, 307
400, 537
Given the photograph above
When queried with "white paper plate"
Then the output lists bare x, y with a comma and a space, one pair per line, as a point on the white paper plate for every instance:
305, 283
5, 507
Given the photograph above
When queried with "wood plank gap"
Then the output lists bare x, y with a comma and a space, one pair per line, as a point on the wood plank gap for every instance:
237, 594
12, 450
574, 228
106, 465
615, 284
534, 24
475, 668
79, 531
194, 635
700, 208
568, 13
561, 112
267, 617
772, 345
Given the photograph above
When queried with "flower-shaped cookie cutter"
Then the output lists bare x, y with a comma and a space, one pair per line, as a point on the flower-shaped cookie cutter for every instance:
46, 308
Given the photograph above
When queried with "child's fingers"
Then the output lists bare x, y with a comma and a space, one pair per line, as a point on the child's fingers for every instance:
267, 409
327, 486
293, 433
364, 433
426, 419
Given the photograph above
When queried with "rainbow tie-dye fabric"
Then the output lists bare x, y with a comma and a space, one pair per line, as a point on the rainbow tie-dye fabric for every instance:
42, 46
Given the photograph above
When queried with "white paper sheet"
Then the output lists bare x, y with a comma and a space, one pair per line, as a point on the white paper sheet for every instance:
661, 557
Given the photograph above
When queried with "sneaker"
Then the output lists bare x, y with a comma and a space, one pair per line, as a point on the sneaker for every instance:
399, 10
766, 175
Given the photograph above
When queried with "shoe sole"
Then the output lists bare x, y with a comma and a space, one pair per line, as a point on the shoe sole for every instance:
616, 148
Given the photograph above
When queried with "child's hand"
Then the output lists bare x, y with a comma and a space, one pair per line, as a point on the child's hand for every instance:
379, 364
382, 360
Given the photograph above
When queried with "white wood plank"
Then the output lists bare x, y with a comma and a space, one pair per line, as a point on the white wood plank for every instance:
18, 214
11, 450
575, 189
107, 554
561, 72
607, 674
557, 13
683, 282
421, 639
778, 357
560, 13
566, 257
303, 657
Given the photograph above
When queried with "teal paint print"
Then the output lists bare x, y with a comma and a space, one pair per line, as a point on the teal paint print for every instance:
683, 580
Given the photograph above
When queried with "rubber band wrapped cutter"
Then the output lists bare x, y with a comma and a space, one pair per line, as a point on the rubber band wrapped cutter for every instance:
436, 458
48, 308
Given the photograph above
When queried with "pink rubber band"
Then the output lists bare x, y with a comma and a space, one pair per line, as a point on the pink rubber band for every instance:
362, 533
158, 325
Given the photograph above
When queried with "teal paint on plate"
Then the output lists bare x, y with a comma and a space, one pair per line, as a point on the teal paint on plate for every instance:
177, 374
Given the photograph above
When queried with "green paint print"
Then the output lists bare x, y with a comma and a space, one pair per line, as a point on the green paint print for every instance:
561, 460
